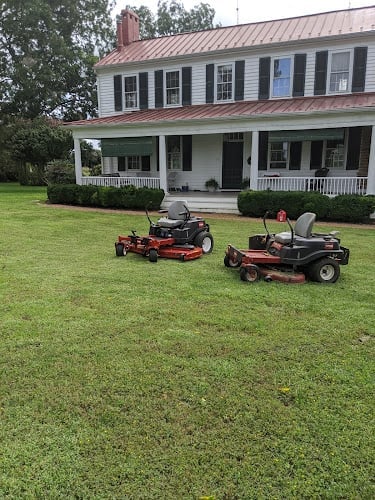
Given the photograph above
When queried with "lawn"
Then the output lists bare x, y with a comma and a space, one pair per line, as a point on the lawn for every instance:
121, 378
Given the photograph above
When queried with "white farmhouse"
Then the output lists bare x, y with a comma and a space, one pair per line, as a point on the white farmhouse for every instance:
288, 104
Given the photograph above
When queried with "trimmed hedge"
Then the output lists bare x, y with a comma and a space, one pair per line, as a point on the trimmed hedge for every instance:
346, 208
106, 197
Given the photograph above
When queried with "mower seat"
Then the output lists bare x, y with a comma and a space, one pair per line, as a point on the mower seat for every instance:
177, 215
302, 228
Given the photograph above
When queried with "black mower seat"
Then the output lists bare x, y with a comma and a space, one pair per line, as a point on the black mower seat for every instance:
177, 215
302, 228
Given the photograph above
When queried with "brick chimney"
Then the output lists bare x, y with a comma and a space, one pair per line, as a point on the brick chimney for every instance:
130, 28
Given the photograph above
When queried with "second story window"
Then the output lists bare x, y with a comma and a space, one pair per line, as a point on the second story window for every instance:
339, 75
130, 85
224, 82
172, 87
281, 77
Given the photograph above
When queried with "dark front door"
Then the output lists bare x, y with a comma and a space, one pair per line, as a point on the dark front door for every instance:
232, 164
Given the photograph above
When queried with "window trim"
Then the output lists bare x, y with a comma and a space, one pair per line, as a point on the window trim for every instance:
172, 70
345, 153
331, 53
233, 81
271, 169
291, 75
180, 154
135, 75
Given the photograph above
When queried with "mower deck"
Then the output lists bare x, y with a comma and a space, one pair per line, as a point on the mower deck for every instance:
153, 247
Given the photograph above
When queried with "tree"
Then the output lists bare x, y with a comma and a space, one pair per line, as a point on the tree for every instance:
47, 52
34, 144
172, 18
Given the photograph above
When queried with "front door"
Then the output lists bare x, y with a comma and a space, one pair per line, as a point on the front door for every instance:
232, 161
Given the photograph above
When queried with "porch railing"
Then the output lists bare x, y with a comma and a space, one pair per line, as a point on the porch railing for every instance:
150, 182
330, 186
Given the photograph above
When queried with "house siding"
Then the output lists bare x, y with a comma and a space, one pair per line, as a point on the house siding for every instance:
251, 71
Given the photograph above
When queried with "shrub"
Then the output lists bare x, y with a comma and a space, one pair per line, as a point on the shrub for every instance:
107, 197
348, 208
351, 208
60, 172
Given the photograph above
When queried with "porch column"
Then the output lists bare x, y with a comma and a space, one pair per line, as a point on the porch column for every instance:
78, 161
254, 160
371, 165
163, 164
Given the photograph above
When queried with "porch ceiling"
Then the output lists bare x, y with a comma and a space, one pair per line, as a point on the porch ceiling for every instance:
236, 110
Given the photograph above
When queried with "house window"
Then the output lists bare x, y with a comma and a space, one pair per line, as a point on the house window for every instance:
131, 95
174, 152
133, 163
281, 77
224, 82
172, 87
339, 74
278, 154
334, 154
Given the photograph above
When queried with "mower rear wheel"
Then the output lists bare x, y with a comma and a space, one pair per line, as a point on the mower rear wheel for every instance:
153, 255
325, 270
205, 241
250, 273
120, 250
228, 262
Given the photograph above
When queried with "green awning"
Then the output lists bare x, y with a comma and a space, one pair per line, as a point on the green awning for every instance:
327, 134
127, 146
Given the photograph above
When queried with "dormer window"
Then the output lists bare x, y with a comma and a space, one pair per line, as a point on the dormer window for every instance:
172, 88
224, 82
281, 80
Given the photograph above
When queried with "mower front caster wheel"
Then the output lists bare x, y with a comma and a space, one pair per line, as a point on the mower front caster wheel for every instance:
228, 262
153, 255
250, 273
120, 250
205, 241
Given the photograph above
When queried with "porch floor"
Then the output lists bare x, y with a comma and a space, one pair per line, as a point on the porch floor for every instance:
204, 201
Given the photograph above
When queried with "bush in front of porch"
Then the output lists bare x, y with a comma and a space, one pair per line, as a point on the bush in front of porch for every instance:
106, 197
344, 208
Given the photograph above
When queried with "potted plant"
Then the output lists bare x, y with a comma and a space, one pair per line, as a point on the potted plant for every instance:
245, 183
212, 184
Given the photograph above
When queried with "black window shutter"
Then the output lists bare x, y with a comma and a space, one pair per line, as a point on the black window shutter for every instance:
320, 83
186, 152
143, 90
295, 155
159, 91
359, 69
264, 77
121, 163
316, 154
117, 87
210, 75
354, 148
239, 80
186, 86
263, 151
299, 75
146, 164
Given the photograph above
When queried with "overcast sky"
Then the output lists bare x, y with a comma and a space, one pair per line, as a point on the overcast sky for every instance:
256, 10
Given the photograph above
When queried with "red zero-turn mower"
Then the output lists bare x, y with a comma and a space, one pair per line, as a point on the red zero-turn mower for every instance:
290, 256
178, 236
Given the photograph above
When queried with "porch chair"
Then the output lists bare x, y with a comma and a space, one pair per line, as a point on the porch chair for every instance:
171, 180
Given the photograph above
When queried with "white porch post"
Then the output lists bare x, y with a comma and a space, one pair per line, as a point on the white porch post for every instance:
254, 160
371, 165
163, 164
78, 160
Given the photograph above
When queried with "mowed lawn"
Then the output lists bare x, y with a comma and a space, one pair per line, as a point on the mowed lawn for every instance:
121, 378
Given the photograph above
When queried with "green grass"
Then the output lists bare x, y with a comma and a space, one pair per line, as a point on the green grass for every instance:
120, 378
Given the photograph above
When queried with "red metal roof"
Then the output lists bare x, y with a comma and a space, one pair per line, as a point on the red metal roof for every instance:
243, 109
328, 24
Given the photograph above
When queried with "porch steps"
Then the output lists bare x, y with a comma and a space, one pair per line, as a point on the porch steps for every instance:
221, 203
